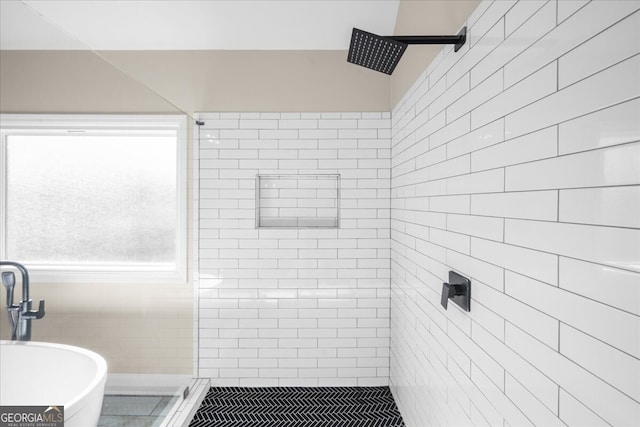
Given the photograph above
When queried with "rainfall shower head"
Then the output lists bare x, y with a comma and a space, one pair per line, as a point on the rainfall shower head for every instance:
375, 52
383, 53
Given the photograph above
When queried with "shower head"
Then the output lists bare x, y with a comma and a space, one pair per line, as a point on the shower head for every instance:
383, 53
375, 52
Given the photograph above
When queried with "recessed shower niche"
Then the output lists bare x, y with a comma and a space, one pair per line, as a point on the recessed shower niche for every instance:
298, 201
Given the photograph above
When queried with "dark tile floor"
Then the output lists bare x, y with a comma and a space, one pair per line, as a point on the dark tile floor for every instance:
298, 406
134, 411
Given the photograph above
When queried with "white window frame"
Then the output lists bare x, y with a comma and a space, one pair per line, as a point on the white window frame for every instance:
15, 124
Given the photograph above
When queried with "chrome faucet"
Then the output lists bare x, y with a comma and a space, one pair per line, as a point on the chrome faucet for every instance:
20, 315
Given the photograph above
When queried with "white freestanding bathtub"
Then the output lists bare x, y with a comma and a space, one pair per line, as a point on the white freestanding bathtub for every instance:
37, 373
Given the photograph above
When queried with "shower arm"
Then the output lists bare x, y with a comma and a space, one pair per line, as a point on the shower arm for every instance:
458, 40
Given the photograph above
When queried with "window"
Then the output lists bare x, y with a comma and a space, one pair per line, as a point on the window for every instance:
94, 198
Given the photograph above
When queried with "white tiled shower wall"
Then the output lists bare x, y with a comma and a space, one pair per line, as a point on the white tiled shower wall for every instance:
516, 162
293, 306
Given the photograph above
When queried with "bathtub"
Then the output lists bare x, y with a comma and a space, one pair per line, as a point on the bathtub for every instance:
37, 373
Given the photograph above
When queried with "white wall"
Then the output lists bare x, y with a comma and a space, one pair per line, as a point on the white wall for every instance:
293, 306
516, 162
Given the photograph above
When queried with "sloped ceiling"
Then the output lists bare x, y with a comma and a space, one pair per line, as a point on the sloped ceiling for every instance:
191, 24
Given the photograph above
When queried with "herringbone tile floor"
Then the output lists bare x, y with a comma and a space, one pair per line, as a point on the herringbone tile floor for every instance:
298, 407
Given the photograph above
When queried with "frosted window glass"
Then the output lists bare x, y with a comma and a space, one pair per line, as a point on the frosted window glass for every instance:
92, 200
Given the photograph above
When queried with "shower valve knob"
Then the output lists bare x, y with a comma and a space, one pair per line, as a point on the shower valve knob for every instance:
458, 290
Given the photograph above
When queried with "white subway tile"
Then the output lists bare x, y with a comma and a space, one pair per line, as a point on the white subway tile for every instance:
238, 134
478, 12
478, 96
427, 366
574, 413
455, 241
522, 12
601, 51
304, 165
529, 404
481, 50
609, 87
587, 22
211, 123
516, 364
374, 124
540, 265
493, 14
246, 123
542, 205
357, 133
536, 25
527, 91
601, 283
429, 158
283, 313
496, 396
450, 204
453, 93
485, 136
614, 206
318, 134
613, 366
488, 320
613, 406
277, 154
453, 130
485, 227
588, 169
534, 146
298, 124
297, 144
478, 357
453, 167
530, 320
618, 328
337, 124
567, 8
423, 97
480, 182
476, 269
615, 125
617, 247
278, 134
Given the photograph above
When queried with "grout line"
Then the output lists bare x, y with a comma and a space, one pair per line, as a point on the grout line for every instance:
538, 280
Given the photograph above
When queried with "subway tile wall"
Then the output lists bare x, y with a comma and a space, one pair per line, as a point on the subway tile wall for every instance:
516, 162
293, 306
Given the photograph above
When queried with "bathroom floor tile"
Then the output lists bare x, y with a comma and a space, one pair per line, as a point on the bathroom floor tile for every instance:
295, 406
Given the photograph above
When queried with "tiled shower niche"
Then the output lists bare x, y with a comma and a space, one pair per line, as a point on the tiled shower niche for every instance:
298, 201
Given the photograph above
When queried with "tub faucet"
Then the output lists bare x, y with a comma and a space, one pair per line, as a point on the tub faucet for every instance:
20, 315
